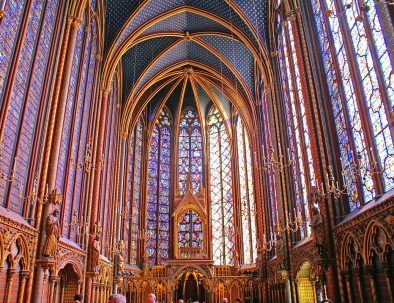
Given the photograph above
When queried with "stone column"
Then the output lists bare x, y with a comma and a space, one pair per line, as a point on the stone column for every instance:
96, 182
8, 287
357, 274
22, 285
386, 270
53, 139
369, 270
51, 289
346, 277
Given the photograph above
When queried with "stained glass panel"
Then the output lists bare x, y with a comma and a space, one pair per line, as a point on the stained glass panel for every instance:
158, 206
333, 85
24, 102
65, 140
294, 132
76, 127
9, 28
271, 175
136, 195
301, 103
374, 72
84, 144
378, 115
190, 151
190, 230
248, 213
222, 208
17, 98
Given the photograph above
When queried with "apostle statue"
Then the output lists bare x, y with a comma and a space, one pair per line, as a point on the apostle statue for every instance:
318, 230
96, 248
52, 234
120, 258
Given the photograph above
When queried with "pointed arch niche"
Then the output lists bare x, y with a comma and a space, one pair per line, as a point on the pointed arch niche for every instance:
190, 225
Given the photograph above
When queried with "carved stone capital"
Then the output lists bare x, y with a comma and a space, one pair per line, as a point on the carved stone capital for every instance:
105, 91
76, 22
25, 274
53, 279
11, 273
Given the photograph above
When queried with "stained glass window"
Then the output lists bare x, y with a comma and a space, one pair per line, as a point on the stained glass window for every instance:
221, 196
190, 231
81, 104
190, 151
9, 28
134, 189
267, 146
75, 145
158, 203
106, 198
68, 116
84, 145
366, 143
248, 212
297, 127
25, 89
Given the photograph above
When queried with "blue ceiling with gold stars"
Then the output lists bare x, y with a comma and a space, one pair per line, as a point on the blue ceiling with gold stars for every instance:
182, 51
138, 57
139, 11
154, 35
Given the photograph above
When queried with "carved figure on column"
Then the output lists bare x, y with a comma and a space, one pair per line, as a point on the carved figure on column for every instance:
52, 234
120, 257
96, 248
318, 231
236, 258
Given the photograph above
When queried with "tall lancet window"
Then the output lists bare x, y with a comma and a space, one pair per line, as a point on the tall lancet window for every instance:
134, 188
355, 55
158, 192
190, 151
248, 211
222, 206
24, 85
297, 127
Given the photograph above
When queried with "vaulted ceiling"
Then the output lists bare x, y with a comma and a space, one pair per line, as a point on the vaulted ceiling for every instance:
159, 39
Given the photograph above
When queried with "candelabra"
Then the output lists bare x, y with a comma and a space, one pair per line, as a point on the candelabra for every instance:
87, 160
332, 186
291, 225
365, 171
267, 245
270, 163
